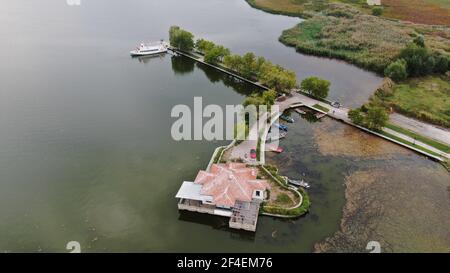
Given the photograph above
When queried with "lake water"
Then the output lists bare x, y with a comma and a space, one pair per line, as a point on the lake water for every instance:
86, 152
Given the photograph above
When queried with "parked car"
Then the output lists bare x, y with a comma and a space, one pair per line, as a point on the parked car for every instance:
335, 104
253, 153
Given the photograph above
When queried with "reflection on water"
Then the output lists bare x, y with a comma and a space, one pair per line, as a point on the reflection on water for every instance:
182, 65
148, 58
217, 223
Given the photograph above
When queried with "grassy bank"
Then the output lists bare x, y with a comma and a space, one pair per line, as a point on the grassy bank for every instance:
346, 30
427, 99
321, 108
432, 12
282, 203
431, 142
410, 144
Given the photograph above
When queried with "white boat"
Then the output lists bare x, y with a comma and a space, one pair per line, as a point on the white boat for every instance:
301, 112
150, 49
299, 183
275, 137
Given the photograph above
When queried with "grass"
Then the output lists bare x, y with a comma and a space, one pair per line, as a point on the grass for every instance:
283, 199
345, 33
431, 142
426, 99
433, 12
320, 107
344, 29
280, 205
410, 144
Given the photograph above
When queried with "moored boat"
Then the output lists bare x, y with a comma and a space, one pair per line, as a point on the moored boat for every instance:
281, 126
287, 118
150, 49
299, 183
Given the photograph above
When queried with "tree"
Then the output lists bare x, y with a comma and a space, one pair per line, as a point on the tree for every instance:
260, 66
181, 39
316, 87
377, 11
442, 64
416, 58
203, 45
248, 61
279, 79
419, 41
355, 116
216, 54
397, 70
269, 97
376, 118
233, 62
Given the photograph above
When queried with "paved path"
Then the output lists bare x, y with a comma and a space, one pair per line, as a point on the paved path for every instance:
421, 128
412, 140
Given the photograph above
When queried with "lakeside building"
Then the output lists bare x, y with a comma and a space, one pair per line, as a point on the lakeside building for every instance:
230, 190
374, 2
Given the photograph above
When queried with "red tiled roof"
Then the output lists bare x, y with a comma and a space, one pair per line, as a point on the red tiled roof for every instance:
229, 182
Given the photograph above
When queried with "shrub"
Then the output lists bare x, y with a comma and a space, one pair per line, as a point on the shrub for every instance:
316, 87
377, 11
181, 39
397, 70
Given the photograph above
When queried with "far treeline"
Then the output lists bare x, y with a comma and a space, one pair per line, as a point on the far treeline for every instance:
249, 66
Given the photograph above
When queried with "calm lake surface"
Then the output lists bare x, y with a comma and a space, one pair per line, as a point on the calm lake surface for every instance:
86, 152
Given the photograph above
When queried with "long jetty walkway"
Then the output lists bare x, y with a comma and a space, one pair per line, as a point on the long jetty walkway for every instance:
297, 99
200, 59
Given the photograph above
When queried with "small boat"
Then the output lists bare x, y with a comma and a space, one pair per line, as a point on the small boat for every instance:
276, 150
299, 183
276, 137
301, 112
287, 118
150, 49
320, 115
281, 126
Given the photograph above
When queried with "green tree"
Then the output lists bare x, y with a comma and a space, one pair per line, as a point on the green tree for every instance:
248, 62
181, 39
397, 70
316, 87
376, 118
356, 116
279, 79
233, 62
442, 64
203, 45
216, 54
420, 41
416, 58
260, 66
269, 97
377, 11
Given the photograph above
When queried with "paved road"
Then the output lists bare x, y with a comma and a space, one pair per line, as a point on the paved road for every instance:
425, 129
410, 139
